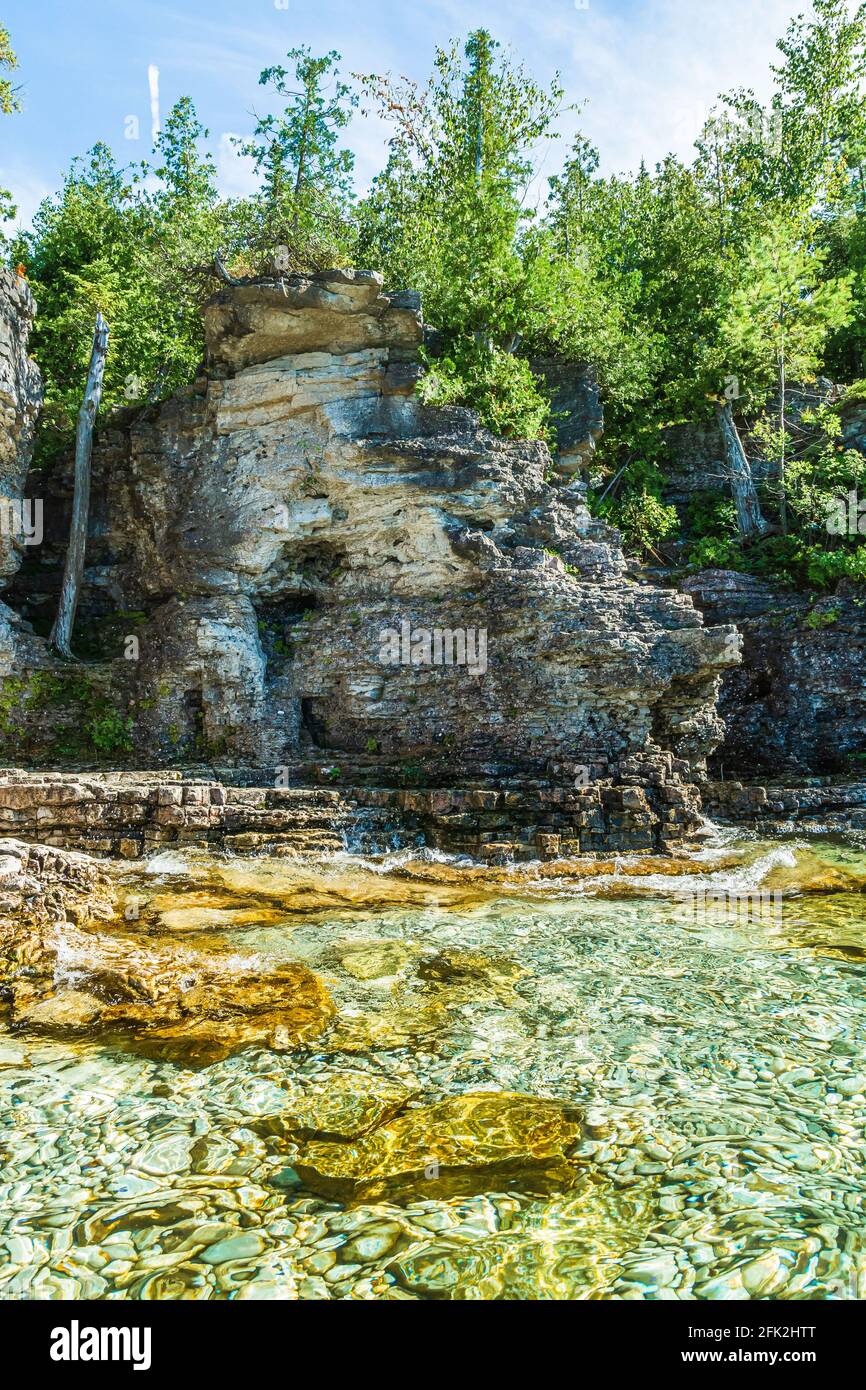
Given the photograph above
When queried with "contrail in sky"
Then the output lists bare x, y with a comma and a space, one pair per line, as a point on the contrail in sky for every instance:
153, 83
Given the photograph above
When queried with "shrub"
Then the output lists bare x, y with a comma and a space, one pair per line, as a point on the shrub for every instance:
645, 521
500, 387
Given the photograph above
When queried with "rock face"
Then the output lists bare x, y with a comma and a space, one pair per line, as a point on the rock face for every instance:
20, 399
798, 702
136, 813
328, 571
819, 805
577, 411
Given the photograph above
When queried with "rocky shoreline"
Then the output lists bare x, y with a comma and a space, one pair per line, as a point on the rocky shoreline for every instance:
300, 573
133, 814
74, 961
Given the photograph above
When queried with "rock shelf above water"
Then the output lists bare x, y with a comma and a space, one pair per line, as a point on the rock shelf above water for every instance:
648, 806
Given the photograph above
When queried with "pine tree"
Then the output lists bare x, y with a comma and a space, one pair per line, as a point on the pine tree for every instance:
307, 177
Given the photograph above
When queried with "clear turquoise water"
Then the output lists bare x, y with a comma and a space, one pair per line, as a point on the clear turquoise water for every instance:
717, 1045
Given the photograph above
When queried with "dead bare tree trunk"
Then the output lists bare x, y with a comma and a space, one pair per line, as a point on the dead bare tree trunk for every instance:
783, 484
61, 633
749, 518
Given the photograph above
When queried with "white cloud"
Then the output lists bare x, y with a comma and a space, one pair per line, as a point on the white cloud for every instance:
649, 71
27, 193
236, 173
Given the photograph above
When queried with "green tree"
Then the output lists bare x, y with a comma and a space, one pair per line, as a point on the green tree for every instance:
306, 197
82, 257
136, 244
8, 62
465, 141
635, 291
776, 321
570, 199
139, 250
792, 154
184, 225
8, 104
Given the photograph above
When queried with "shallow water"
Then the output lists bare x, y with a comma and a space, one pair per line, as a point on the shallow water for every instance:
707, 1016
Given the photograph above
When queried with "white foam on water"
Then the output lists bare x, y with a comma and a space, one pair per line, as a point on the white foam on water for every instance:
414, 855
743, 879
70, 963
167, 863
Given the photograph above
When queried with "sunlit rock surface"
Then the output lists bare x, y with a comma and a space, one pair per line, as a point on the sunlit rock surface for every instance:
332, 580
70, 963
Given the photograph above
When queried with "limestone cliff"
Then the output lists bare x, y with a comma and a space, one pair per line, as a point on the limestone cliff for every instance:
20, 399
309, 545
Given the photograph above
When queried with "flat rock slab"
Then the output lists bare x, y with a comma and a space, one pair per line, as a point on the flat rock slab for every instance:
461, 1144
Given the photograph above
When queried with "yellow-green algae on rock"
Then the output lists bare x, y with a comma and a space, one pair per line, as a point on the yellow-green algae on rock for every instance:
341, 1107
459, 1145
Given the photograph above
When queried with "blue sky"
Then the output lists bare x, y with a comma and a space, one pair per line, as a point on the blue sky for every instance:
648, 70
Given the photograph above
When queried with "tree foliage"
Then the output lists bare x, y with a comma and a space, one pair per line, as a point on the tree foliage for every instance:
306, 194
9, 102
719, 282
451, 200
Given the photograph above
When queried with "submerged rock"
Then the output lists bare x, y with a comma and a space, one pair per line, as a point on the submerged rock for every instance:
67, 1011
376, 960
168, 1001
93, 975
344, 1107
455, 966
464, 1144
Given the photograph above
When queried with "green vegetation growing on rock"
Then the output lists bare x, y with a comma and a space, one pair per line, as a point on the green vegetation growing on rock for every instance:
45, 716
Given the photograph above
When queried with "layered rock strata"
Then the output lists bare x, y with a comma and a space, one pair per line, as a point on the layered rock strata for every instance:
320, 570
797, 704
819, 805
133, 814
